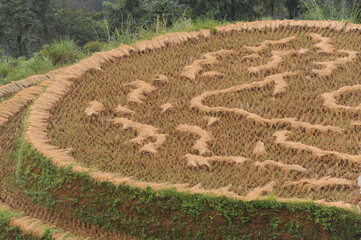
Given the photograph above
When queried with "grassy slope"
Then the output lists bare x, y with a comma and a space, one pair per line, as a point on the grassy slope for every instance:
7, 232
169, 214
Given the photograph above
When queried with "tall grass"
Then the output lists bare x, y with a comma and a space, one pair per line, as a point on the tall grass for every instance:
65, 51
182, 24
14, 69
57, 54
61, 52
341, 10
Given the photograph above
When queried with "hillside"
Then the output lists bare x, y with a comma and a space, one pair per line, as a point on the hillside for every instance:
245, 131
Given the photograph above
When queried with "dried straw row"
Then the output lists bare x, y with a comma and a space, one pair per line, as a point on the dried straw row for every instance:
14, 105
166, 107
277, 56
331, 66
267, 43
191, 71
94, 108
324, 44
124, 110
138, 94
201, 145
16, 86
173, 38
211, 120
323, 182
258, 192
144, 133
196, 161
264, 46
276, 59
33, 226
286, 167
281, 138
278, 79
331, 102
273, 25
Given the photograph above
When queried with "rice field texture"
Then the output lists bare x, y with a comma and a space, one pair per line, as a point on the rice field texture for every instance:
244, 113
255, 111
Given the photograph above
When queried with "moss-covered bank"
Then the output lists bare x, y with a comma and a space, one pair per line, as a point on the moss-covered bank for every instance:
168, 214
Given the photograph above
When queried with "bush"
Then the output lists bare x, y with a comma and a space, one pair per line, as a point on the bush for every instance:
343, 10
61, 52
17, 68
5, 64
94, 46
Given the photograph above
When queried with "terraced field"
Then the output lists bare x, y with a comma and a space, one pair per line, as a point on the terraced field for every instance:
266, 114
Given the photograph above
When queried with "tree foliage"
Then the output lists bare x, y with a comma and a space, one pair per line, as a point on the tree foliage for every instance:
27, 25
21, 24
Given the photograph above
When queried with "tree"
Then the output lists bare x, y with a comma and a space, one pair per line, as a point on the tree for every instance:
230, 10
169, 10
121, 13
272, 7
292, 7
87, 5
21, 24
75, 24
27, 25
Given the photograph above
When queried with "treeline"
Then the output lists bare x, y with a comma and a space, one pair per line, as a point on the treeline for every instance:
87, 5
27, 25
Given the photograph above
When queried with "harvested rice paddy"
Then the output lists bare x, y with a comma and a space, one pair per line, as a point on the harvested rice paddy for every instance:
254, 111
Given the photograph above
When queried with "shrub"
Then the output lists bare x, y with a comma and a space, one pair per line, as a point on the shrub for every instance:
94, 46
60, 52
5, 64
17, 68
343, 10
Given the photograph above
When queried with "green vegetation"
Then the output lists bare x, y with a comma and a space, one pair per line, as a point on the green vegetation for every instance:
54, 28
94, 46
8, 232
342, 10
61, 52
37, 36
18, 68
65, 51
169, 214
